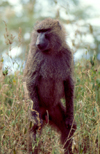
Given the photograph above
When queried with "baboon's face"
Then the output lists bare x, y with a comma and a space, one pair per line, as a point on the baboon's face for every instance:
43, 39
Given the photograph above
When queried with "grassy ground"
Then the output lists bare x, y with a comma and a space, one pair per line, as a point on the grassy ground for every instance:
14, 114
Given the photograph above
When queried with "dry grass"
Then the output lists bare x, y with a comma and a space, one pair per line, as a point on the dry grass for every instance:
14, 107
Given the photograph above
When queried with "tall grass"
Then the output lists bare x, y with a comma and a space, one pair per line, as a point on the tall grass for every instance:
14, 107
87, 108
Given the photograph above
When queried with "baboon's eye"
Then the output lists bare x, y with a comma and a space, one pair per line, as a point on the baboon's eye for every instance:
46, 36
43, 30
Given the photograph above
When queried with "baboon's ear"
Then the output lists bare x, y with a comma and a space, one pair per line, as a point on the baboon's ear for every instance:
58, 24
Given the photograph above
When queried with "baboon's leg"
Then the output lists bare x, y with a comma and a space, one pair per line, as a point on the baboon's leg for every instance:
32, 140
58, 118
66, 138
33, 130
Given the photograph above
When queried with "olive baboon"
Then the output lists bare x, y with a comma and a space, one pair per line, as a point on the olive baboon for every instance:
48, 74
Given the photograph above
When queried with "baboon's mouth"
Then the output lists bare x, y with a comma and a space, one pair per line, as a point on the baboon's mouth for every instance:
46, 50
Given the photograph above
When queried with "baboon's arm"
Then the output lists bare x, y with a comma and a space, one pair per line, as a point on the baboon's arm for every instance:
69, 94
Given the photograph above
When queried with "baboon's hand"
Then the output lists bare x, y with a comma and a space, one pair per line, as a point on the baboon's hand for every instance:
69, 122
35, 118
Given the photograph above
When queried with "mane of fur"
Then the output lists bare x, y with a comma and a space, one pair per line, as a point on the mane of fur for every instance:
52, 65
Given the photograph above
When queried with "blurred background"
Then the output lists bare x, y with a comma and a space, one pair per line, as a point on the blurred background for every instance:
17, 18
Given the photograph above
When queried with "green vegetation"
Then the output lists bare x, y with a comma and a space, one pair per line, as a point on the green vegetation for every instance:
14, 109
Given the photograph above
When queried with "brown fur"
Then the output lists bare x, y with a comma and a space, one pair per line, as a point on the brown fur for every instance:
49, 77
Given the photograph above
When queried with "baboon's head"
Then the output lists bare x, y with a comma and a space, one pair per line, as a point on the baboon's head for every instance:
50, 35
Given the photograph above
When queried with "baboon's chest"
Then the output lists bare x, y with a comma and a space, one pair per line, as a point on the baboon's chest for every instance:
54, 68
50, 91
